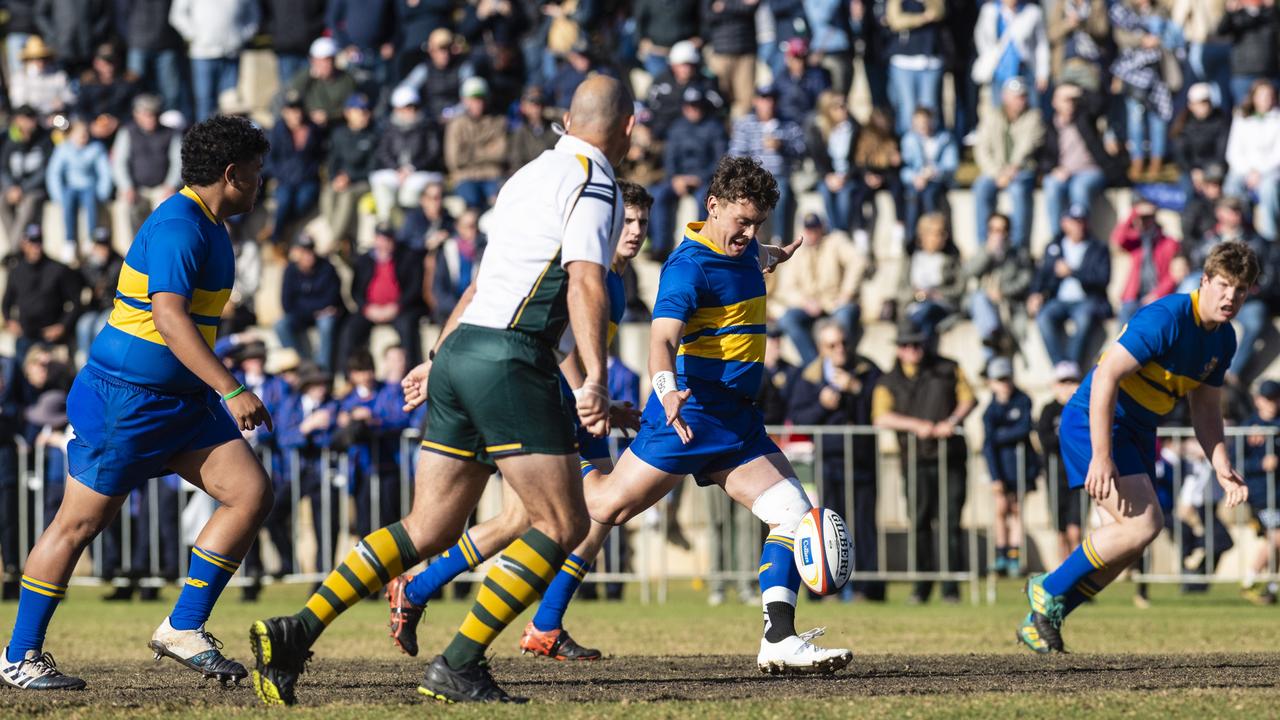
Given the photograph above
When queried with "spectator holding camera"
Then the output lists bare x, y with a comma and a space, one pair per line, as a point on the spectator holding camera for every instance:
1150, 252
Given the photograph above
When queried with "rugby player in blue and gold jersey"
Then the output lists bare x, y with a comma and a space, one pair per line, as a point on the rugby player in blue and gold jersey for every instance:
150, 401
1180, 345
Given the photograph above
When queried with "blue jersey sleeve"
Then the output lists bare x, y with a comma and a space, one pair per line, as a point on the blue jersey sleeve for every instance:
1150, 334
176, 251
678, 290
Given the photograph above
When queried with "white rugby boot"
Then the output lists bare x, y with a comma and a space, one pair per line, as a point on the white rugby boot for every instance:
198, 650
795, 655
36, 671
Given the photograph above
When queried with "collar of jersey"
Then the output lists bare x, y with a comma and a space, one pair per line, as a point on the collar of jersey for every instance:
187, 191
1195, 307
577, 146
693, 231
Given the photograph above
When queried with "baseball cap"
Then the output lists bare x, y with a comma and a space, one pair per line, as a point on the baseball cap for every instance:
102, 236
386, 230
1199, 92
812, 220
358, 101
768, 90
1015, 85
692, 96
1077, 212
534, 94
796, 47
475, 87
909, 334
404, 97
306, 242
33, 232
1000, 368
1269, 389
323, 47
1066, 371
293, 99
684, 53
1215, 173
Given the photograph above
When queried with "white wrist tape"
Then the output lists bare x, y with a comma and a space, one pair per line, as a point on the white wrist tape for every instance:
596, 389
663, 383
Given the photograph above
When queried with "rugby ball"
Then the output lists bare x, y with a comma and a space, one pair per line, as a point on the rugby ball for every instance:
824, 551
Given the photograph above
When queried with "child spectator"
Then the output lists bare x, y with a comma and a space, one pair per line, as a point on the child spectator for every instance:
930, 156
360, 431
877, 160
307, 422
1260, 465
79, 176
1011, 460
932, 287
1064, 503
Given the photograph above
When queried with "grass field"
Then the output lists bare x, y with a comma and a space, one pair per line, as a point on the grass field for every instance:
1188, 656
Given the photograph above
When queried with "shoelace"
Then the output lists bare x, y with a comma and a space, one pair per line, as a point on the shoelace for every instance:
808, 635
45, 664
208, 637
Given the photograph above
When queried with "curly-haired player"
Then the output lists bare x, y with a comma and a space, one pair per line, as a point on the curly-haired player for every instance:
150, 401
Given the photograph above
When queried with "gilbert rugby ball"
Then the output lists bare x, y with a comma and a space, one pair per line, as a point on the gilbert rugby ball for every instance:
824, 551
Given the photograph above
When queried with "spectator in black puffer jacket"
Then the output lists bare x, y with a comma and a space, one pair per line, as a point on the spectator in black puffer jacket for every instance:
1251, 26
293, 24
667, 91
74, 29
311, 296
297, 148
154, 51
1199, 136
729, 27
660, 24
408, 156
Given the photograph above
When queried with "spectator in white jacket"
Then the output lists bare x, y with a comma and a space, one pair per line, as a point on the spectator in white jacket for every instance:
1253, 156
1011, 41
215, 32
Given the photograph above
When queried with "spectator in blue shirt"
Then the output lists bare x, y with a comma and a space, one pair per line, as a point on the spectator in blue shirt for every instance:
311, 295
360, 430
695, 144
930, 156
78, 176
800, 84
1011, 460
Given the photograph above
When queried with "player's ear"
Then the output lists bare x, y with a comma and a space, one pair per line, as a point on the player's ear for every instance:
565, 121
631, 124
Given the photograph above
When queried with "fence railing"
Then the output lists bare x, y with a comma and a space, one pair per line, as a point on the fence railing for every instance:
918, 512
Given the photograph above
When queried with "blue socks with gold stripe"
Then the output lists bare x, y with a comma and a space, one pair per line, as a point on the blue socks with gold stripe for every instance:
779, 583
1082, 562
515, 582
550, 615
35, 609
378, 557
456, 560
207, 575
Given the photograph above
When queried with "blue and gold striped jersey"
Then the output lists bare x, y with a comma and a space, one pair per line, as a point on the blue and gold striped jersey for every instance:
721, 300
616, 291
1175, 355
180, 249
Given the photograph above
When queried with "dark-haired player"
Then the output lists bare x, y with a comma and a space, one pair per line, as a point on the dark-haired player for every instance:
1180, 345
150, 401
706, 358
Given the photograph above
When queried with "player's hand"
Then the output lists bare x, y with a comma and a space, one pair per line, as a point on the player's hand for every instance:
778, 255
414, 385
1234, 491
672, 402
593, 408
249, 412
1101, 478
624, 416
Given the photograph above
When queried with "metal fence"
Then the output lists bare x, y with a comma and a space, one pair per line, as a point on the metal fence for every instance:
916, 515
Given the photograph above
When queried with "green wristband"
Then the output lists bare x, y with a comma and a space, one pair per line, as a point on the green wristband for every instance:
234, 393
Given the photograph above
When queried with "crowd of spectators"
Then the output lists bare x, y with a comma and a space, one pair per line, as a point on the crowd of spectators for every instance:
399, 110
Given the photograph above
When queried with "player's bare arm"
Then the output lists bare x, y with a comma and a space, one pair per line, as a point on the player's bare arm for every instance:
1206, 419
622, 415
1116, 365
664, 339
587, 317
171, 313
